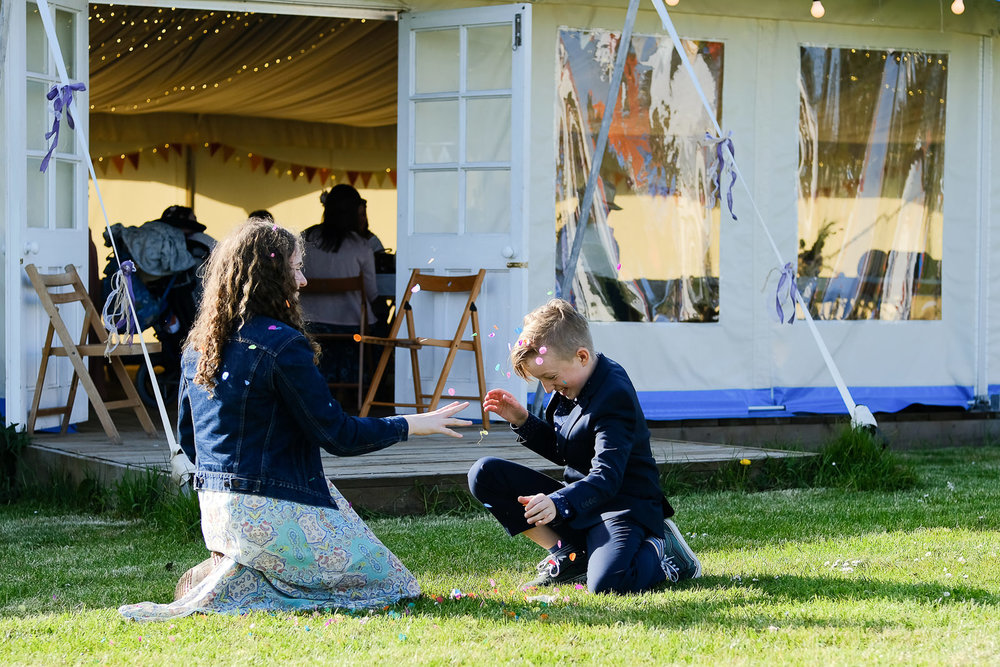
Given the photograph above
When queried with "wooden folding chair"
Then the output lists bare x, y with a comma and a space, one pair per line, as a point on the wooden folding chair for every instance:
404, 311
52, 293
356, 284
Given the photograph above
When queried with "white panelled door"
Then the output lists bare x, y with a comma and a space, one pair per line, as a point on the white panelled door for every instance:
463, 113
45, 213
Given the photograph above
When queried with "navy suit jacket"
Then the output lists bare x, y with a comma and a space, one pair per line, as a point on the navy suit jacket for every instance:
604, 445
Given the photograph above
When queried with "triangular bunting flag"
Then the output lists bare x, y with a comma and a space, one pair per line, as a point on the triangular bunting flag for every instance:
178, 149
323, 174
268, 163
133, 158
392, 177
310, 173
119, 162
227, 152
366, 177
296, 171
255, 161
103, 164
163, 152
213, 148
352, 177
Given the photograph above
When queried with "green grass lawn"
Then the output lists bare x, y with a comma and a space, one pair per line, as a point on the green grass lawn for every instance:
803, 576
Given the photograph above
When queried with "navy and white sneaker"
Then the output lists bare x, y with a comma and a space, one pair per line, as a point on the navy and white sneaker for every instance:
567, 565
676, 558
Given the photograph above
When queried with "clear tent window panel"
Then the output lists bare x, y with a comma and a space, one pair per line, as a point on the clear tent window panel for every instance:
650, 251
870, 186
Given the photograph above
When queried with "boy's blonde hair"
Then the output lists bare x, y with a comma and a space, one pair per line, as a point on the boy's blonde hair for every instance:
555, 326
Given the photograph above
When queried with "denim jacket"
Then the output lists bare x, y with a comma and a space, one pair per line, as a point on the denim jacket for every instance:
261, 430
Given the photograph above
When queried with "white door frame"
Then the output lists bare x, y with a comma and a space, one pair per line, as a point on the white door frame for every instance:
504, 254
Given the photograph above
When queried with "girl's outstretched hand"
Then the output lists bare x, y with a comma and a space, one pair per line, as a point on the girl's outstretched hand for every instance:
504, 405
427, 423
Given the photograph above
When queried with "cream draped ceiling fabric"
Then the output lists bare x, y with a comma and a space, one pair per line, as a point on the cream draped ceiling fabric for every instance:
320, 90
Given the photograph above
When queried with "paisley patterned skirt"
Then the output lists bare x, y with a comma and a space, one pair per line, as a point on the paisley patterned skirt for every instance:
283, 556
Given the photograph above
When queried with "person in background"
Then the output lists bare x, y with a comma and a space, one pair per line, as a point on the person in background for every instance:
261, 214
336, 249
253, 416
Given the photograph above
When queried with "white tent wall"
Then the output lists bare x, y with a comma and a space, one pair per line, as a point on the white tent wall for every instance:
745, 352
991, 81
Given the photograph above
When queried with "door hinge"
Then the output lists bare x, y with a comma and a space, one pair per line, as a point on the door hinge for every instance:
517, 31
517, 265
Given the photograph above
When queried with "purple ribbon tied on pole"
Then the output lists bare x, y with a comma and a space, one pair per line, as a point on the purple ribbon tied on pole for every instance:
791, 293
721, 164
61, 97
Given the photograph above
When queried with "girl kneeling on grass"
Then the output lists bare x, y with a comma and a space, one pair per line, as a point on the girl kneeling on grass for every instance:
253, 413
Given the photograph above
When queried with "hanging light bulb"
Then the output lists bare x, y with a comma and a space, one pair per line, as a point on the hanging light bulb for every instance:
672, 3
957, 7
819, 11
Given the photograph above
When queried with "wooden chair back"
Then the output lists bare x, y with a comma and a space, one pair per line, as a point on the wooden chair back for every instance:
321, 286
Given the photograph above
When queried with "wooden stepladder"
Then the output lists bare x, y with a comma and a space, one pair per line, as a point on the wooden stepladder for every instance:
62, 288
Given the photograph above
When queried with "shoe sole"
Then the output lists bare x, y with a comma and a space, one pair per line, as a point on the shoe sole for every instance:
684, 545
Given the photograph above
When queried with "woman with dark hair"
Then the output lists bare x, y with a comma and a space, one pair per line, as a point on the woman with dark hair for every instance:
253, 415
335, 248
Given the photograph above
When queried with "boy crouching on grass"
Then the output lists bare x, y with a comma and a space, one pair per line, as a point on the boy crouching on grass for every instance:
608, 523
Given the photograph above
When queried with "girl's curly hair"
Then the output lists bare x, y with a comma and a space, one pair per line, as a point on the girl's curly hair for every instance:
248, 273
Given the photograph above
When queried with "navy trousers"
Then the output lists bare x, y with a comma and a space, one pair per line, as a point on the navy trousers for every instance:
620, 559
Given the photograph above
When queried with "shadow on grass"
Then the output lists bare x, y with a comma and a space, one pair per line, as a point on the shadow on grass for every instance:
673, 607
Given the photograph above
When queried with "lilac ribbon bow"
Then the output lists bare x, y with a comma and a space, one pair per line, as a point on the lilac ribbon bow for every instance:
791, 292
61, 98
720, 165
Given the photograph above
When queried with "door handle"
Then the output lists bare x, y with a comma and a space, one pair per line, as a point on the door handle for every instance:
517, 265
31, 248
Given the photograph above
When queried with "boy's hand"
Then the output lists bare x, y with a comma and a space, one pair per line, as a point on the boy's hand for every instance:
538, 509
427, 423
504, 405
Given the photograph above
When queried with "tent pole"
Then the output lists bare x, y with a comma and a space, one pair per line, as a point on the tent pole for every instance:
189, 175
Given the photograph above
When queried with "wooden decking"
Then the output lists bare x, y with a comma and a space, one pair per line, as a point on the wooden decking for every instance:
405, 478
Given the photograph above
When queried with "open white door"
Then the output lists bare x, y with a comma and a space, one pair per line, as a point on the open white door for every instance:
463, 111
45, 214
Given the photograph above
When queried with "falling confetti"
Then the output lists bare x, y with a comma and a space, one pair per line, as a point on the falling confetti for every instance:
539, 361
451, 391
225, 375
543, 350
497, 367
508, 375
619, 267
492, 334
482, 434
415, 289
430, 261
744, 462
357, 338
253, 347
572, 556
272, 254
